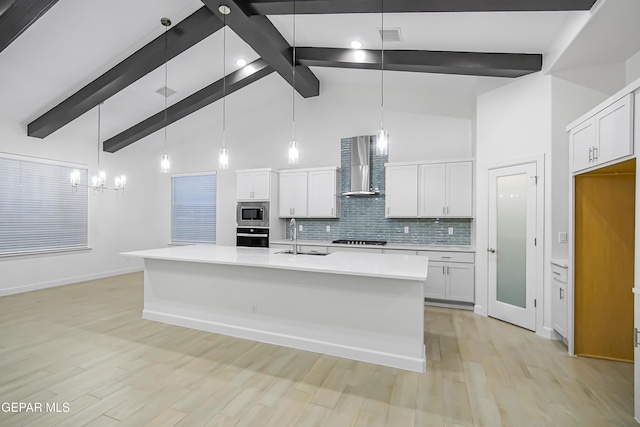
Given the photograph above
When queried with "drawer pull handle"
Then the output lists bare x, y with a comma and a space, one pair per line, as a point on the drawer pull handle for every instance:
556, 273
447, 257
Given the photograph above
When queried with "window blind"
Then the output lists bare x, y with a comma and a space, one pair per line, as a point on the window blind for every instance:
39, 211
193, 208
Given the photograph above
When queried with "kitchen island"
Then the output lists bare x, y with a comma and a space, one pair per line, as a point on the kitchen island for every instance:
366, 307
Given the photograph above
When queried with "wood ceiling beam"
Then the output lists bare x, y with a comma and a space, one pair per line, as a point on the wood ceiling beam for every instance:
423, 61
283, 7
215, 91
18, 15
260, 34
193, 29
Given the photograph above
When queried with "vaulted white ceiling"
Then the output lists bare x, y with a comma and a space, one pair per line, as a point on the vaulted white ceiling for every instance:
78, 40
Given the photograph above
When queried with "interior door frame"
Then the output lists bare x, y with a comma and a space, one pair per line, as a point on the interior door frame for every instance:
541, 303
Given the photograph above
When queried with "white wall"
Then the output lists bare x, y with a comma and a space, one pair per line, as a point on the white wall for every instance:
259, 127
513, 122
116, 224
632, 68
569, 101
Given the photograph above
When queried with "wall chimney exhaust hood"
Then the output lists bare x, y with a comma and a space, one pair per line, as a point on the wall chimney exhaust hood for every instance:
360, 167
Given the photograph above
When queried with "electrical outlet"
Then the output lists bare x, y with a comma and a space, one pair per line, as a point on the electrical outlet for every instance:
328, 228
254, 309
300, 227
562, 237
406, 230
450, 230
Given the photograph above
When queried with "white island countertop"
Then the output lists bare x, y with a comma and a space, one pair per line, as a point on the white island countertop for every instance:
402, 267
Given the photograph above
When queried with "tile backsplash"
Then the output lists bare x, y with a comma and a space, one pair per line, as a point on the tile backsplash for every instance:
362, 217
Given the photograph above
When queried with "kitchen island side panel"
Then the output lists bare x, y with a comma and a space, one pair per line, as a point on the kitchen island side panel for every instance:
376, 320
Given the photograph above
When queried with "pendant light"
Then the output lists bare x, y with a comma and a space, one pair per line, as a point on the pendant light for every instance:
98, 181
165, 163
223, 156
293, 145
382, 145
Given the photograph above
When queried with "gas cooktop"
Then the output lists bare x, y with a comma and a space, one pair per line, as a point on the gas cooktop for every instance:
360, 242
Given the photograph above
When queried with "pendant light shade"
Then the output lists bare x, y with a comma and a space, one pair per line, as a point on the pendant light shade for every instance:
165, 163
223, 159
293, 153
382, 145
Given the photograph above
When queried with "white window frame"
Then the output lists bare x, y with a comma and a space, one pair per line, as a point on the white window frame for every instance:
171, 233
81, 191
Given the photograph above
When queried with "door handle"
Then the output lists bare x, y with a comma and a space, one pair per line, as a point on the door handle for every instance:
443, 270
595, 154
443, 211
635, 337
447, 270
493, 251
590, 154
561, 296
331, 211
447, 210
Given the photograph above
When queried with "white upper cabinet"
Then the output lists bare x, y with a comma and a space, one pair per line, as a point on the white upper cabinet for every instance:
605, 137
446, 190
254, 185
323, 194
309, 193
459, 189
401, 199
433, 194
293, 194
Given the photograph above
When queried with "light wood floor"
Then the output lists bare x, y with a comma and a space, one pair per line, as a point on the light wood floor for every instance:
87, 345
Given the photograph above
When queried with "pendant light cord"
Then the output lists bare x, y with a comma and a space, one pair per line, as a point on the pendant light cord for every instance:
166, 89
382, 69
224, 80
293, 63
99, 106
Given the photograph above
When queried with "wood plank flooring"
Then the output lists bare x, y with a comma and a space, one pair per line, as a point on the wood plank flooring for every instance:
86, 345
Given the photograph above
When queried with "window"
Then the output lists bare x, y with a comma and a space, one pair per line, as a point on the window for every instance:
193, 208
39, 210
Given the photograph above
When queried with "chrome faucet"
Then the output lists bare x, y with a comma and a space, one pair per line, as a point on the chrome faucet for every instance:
294, 236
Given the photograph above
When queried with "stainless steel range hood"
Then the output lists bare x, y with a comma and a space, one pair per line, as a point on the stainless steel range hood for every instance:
360, 167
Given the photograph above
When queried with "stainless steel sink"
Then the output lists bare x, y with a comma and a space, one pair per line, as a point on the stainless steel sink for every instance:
290, 252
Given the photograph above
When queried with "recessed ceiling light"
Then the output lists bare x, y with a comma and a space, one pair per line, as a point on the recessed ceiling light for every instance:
241, 62
360, 55
356, 44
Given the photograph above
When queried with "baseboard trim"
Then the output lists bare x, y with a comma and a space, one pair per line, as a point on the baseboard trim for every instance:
297, 342
547, 333
67, 281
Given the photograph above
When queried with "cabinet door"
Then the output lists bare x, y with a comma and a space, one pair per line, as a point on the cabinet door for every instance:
615, 136
299, 194
435, 285
559, 308
322, 194
401, 199
460, 282
459, 189
244, 186
582, 139
261, 185
285, 196
433, 195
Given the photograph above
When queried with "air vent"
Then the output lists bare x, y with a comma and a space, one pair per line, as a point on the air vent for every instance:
390, 34
165, 91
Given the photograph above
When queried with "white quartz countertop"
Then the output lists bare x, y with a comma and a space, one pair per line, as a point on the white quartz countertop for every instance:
405, 246
393, 266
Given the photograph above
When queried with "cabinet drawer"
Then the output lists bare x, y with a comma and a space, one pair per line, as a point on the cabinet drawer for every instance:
398, 251
467, 257
312, 249
559, 273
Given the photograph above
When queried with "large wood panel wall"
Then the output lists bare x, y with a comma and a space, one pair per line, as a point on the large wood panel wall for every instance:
604, 262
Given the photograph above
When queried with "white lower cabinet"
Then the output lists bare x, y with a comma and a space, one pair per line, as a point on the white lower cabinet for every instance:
450, 280
559, 308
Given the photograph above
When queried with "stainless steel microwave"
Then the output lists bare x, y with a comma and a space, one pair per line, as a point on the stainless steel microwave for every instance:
252, 214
